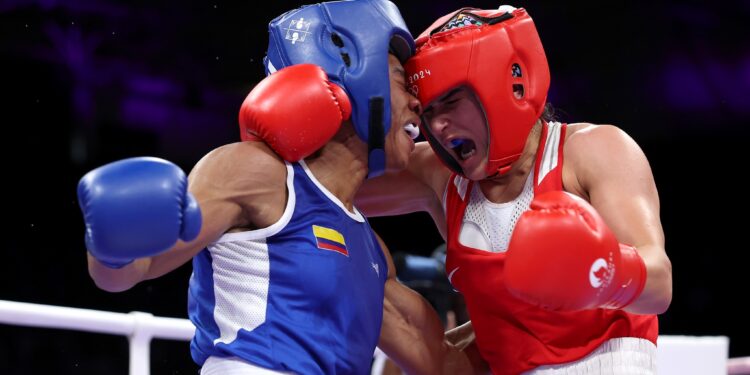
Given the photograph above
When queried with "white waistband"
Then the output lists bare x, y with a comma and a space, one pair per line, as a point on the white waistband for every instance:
234, 366
619, 356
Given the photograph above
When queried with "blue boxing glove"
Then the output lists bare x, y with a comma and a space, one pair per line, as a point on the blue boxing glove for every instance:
136, 208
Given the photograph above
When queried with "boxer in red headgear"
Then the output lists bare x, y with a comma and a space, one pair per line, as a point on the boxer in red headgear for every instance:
552, 229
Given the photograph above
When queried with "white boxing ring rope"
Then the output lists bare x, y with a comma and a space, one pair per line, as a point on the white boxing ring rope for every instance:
139, 327
677, 354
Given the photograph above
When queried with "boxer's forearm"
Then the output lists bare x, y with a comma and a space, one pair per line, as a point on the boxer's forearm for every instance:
117, 280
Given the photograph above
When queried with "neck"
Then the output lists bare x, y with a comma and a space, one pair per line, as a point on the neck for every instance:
341, 165
506, 187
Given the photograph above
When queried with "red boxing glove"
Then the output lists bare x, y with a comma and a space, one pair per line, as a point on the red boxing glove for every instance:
295, 111
562, 256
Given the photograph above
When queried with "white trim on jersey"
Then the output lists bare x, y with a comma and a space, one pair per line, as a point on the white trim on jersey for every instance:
551, 147
273, 228
356, 215
461, 184
241, 273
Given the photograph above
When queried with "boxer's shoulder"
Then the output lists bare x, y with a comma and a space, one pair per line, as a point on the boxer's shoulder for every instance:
240, 162
596, 153
249, 174
581, 133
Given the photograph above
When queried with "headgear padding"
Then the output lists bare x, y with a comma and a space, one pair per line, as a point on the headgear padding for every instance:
350, 40
494, 53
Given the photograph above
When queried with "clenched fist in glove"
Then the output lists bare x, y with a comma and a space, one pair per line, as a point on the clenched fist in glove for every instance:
563, 256
135, 208
295, 111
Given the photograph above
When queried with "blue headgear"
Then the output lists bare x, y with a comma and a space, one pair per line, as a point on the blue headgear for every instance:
350, 40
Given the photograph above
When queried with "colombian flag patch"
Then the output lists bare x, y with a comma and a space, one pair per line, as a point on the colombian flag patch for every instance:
330, 239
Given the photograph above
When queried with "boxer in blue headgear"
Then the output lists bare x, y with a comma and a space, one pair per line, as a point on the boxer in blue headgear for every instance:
288, 276
351, 50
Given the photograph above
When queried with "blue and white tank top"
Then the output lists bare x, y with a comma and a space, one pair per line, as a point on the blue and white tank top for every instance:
303, 295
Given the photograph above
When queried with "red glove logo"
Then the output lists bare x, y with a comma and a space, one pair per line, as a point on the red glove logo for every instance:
598, 272
562, 243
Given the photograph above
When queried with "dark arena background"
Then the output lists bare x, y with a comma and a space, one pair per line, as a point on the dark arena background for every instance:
86, 82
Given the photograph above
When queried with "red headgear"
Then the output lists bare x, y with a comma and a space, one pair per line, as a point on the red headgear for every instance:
494, 53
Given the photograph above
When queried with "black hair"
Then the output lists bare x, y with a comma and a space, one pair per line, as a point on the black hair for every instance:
549, 113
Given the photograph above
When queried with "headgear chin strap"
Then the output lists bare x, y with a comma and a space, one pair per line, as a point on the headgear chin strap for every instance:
350, 40
498, 55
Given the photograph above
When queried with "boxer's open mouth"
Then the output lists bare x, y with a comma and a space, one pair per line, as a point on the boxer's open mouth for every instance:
463, 147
